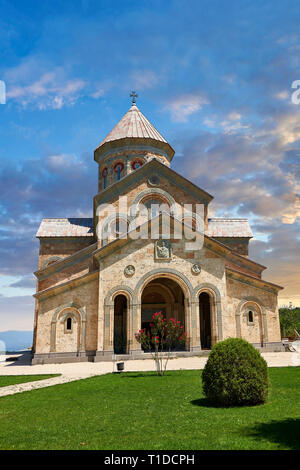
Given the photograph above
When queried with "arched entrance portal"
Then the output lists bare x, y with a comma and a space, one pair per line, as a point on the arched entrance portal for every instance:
120, 324
162, 295
205, 320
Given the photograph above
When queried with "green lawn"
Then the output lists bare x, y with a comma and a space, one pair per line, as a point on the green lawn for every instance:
6, 380
143, 411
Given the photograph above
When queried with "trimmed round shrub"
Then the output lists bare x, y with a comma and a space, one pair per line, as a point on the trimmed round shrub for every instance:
235, 374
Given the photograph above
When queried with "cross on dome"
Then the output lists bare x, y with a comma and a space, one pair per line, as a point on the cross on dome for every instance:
133, 95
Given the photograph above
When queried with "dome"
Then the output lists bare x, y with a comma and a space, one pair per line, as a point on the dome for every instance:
134, 129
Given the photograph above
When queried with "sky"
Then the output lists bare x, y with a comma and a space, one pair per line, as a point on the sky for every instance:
214, 77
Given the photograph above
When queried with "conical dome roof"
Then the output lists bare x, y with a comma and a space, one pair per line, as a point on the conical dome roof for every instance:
134, 125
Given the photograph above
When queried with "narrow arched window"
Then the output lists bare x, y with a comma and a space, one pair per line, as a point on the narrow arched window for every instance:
104, 177
69, 324
118, 227
250, 316
118, 170
155, 206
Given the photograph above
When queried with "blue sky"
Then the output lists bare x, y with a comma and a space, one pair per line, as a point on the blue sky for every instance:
214, 77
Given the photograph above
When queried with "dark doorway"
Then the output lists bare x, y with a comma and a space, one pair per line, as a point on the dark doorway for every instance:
120, 324
205, 320
166, 296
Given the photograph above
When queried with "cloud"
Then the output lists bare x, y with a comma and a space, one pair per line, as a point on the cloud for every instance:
280, 253
59, 185
143, 79
50, 91
28, 281
282, 95
183, 106
16, 313
253, 172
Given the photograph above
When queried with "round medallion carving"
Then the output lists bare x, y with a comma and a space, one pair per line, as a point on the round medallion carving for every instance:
153, 180
129, 270
196, 268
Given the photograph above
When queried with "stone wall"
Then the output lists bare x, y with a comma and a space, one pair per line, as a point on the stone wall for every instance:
229, 298
238, 244
84, 295
239, 293
61, 247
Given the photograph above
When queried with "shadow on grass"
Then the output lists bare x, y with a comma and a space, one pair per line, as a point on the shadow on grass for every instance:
284, 433
204, 402
150, 374
132, 375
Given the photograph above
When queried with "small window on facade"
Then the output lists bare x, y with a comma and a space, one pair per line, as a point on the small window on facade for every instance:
250, 316
69, 324
104, 176
136, 164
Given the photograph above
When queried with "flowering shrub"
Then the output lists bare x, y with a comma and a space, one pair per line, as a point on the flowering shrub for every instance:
163, 336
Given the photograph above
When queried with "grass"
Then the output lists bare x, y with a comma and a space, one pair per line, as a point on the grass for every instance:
6, 380
143, 411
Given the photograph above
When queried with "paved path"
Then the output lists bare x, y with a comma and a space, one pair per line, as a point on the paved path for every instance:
82, 370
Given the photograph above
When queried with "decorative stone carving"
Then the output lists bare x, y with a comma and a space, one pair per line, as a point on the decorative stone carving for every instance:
162, 249
129, 270
196, 268
153, 180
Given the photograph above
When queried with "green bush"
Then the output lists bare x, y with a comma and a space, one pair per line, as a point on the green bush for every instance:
235, 374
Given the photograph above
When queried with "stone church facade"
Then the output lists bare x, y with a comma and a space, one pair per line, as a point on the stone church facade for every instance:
100, 279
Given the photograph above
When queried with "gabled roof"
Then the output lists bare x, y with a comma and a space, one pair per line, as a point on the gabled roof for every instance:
252, 280
221, 227
83, 227
231, 257
66, 227
134, 127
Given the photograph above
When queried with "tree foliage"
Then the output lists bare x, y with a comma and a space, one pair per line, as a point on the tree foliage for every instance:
289, 321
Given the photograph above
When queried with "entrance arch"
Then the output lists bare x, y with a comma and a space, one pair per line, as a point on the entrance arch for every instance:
120, 324
182, 281
164, 295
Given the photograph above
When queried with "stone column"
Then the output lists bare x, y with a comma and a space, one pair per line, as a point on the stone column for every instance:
238, 325
195, 332
105, 348
128, 168
135, 326
105, 327
265, 327
188, 324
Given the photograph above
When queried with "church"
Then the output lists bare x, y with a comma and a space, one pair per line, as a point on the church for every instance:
146, 249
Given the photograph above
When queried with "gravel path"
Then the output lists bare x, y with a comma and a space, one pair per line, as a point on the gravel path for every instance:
83, 370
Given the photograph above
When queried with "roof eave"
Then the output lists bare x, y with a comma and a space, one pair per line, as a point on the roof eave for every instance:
113, 144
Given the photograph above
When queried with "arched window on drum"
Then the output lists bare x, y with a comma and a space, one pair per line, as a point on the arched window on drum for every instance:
104, 178
119, 171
